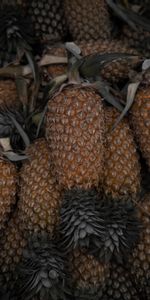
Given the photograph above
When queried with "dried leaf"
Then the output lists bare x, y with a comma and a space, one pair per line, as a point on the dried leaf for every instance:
12, 156
21, 85
74, 49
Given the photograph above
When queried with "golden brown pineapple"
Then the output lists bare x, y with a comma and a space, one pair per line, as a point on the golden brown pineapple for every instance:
8, 190
38, 216
88, 19
12, 244
122, 168
140, 118
140, 259
75, 134
89, 276
138, 39
39, 193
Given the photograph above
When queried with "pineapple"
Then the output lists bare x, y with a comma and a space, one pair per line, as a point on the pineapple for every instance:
140, 259
122, 167
48, 19
119, 285
140, 119
12, 244
121, 186
89, 276
40, 196
38, 212
88, 19
138, 38
8, 190
75, 135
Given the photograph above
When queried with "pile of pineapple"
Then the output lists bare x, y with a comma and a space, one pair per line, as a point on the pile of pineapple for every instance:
74, 150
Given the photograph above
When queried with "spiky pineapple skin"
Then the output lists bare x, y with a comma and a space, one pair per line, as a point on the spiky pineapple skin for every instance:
75, 134
88, 19
122, 168
119, 285
140, 259
12, 244
48, 19
140, 119
88, 275
8, 190
138, 39
40, 196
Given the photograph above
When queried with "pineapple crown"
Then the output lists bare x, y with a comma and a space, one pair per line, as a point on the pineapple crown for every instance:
122, 229
42, 270
79, 219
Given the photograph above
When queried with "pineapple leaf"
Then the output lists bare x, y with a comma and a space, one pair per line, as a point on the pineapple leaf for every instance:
120, 11
91, 65
20, 130
132, 88
103, 89
21, 85
74, 49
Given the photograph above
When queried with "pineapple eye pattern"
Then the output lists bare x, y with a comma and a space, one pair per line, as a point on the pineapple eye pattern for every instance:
74, 150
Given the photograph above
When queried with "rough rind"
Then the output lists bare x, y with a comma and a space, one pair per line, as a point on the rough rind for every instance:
140, 120
40, 196
122, 168
75, 135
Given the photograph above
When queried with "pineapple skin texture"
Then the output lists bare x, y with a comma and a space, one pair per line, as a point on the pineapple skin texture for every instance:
88, 19
87, 272
136, 39
140, 258
122, 168
48, 19
8, 190
40, 196
11, 247
119, 285
75, 134
140, 119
